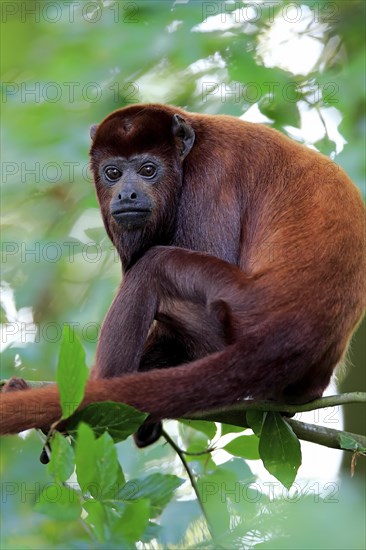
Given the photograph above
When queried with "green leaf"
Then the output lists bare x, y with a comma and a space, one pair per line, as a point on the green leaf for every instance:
107, 466
120, 479
245, 446
72, 372
59, 502
230, 429
350, 444
284, 113
85, 458
117, 419
198, 443
62, 460
134, 521
216, 489
239, 468
226, 493
201, 458
158, 488
200, 463
255, 420
97, 467
279, 448
152, 531
175, 521
96, 518
208, 428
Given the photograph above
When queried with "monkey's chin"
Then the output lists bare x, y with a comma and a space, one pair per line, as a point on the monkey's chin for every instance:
132, 220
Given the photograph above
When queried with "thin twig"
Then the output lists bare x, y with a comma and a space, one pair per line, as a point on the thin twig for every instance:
180, 453
200, 453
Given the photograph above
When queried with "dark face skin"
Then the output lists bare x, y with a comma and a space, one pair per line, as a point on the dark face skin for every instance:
131, 182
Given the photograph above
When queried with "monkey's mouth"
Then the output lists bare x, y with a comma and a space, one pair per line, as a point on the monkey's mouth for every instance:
131, 219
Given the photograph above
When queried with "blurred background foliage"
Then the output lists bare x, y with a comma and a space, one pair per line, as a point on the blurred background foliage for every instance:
65, 65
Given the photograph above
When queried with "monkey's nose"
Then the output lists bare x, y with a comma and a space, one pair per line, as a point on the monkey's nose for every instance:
127, 196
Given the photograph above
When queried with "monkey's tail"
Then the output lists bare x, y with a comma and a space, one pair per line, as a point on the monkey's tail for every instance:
218, 380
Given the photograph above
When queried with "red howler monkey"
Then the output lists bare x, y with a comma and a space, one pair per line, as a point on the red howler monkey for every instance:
246, 249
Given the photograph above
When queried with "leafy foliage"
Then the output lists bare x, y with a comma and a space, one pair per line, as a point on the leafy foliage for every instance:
116, 511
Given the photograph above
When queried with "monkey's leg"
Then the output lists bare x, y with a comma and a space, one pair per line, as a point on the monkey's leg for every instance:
175, 341
162, 349
163, 275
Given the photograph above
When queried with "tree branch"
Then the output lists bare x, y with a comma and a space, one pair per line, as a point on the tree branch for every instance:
235, 411
328, 437
236, 415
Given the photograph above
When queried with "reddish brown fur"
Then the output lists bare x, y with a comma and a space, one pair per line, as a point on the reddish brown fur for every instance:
252, 264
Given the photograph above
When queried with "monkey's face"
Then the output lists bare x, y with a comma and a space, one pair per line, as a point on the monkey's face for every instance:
136, 158
132, 187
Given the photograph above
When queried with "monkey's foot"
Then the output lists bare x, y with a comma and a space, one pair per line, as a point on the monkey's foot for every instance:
15, 384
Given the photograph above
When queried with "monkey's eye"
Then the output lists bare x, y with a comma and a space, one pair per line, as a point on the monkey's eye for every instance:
148, 170
112, 173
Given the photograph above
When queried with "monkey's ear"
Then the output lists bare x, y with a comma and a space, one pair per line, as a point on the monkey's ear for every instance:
93, 130
184, 134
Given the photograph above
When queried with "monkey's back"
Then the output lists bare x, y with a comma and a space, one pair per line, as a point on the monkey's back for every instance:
302, 231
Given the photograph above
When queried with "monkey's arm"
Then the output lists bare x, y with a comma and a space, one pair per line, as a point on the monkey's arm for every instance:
164, 275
